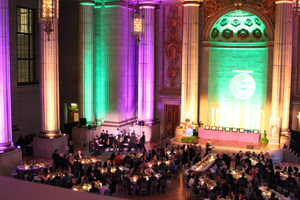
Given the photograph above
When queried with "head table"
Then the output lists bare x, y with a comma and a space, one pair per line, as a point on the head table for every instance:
229, 136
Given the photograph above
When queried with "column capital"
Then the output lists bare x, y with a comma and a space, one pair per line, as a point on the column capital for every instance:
148, 4
191, 2
87, 2
283, 1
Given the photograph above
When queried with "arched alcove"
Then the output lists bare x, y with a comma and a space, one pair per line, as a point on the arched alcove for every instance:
236, 69
265, 20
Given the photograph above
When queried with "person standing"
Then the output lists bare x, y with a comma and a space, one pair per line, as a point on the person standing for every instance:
227, 159
142, 142
117, 133
209, 147
55, 157
238, 159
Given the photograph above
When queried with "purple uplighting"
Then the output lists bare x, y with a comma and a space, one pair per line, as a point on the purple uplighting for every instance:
5, 96
146, 69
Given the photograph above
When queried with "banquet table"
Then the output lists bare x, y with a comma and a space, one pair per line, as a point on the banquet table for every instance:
202, 166
82, 187
229, 136
238, 174
266, 192
33, 168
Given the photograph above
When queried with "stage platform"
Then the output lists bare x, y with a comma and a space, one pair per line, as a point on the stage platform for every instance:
233, 147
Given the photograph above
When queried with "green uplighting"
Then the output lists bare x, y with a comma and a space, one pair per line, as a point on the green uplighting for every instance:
239, 26
88, 90
87, 4
88, 67
239, 96
100, 67
238, 64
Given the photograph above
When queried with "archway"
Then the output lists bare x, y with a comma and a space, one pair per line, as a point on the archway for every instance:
238, 68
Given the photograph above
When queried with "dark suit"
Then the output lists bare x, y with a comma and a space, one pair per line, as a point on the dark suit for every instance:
126, 179
142, 143
225, 189
140, 181
237, 160
94, 190
208, 149
230, 178
90, 169
242, 179
196, 189
55, 158
288, 170
152, 178
227, 160
92, 179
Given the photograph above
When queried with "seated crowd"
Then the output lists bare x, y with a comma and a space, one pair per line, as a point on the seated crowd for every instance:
138, 172
254, 177
147, 172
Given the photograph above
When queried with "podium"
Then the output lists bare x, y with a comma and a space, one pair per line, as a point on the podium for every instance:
189, 132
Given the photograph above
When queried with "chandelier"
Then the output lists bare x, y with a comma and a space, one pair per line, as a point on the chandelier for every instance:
48, 12
137, 23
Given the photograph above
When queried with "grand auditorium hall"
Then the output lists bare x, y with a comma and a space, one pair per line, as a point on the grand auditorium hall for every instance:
149, 99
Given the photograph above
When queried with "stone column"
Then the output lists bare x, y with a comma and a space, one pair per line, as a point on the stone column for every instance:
100, 62
146, 67
50, 137
190, 57
10, 157
5, 98
282, 64
86, 60
49, 82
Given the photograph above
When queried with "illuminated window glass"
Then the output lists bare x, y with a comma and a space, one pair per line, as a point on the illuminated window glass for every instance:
25, 46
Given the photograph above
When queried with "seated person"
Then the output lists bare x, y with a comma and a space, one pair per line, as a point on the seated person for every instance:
82, 180
48, 169
242, 179
286, 196
278, 166
112, 186
287, 168
205, 189
127, 179
94, 189
163, 177
92, 177
104, 190
141, 180
196, 186
79, 155
273, 196
225, 188
230, 178
291, 179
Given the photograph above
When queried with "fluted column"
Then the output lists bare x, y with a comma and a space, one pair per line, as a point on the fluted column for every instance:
49, 82
282, 64
190, 56
100, 63
86, 60
5, 97
146, 67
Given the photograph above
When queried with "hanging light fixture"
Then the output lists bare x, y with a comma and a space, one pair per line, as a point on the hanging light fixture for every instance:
48, 12
296, 7
137, 23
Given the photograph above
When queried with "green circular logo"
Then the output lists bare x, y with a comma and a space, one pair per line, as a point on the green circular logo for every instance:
242, 86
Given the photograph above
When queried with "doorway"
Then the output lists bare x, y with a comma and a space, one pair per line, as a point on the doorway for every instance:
172, 119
